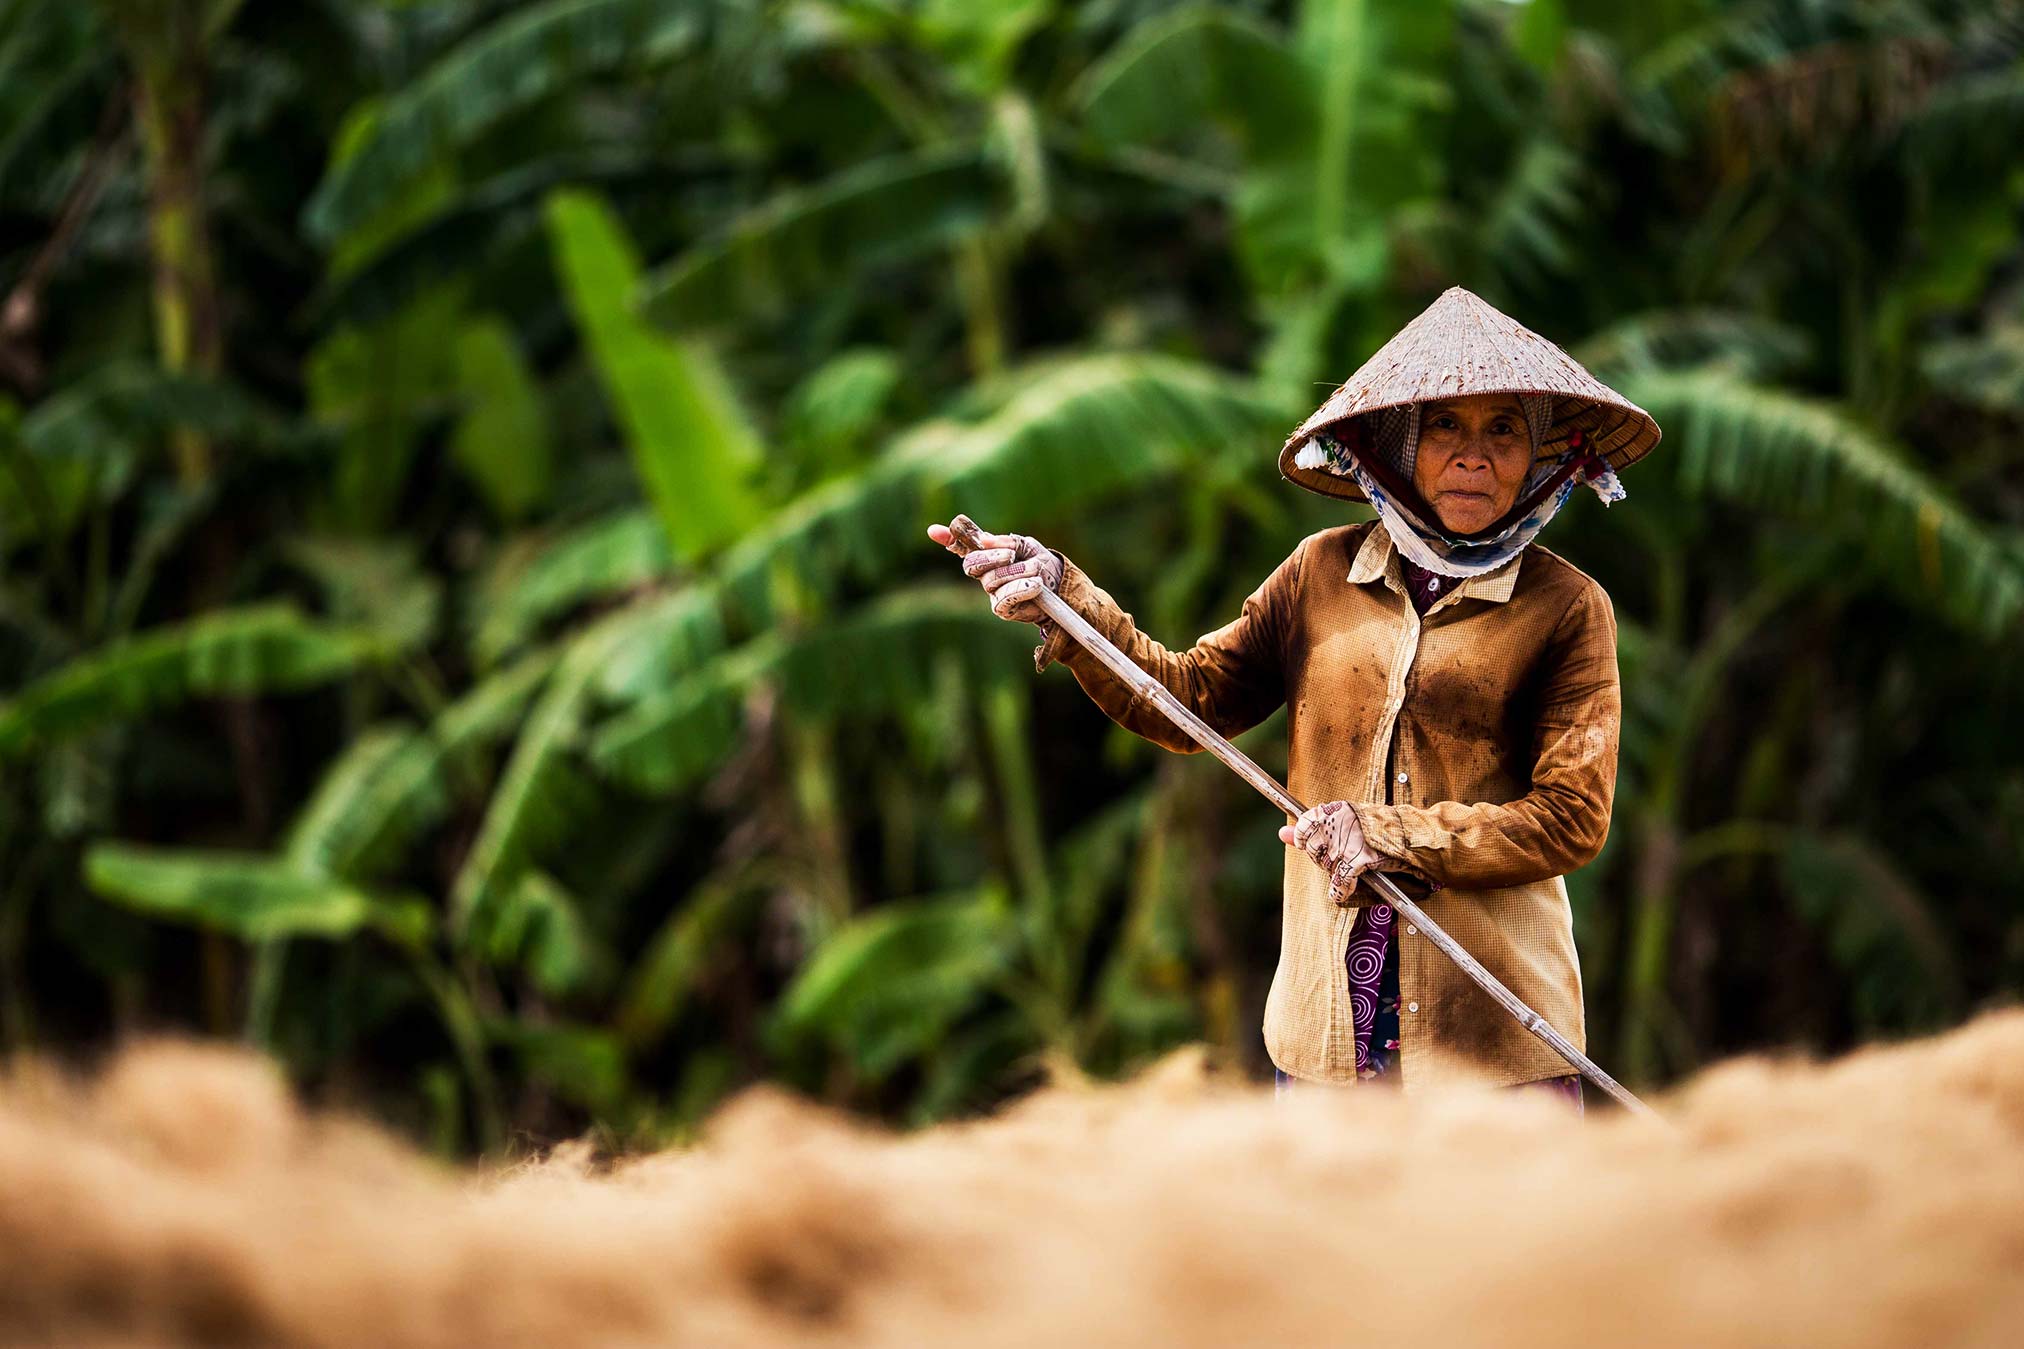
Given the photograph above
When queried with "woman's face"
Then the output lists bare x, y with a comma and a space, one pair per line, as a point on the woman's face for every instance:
1473, 457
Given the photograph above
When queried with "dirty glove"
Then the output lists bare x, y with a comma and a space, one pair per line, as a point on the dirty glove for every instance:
1331, 834
1012, 569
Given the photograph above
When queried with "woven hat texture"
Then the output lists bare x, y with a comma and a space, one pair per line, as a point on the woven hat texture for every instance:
1461, 344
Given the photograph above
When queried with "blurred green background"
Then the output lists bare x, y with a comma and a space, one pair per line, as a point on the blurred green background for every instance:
466, 623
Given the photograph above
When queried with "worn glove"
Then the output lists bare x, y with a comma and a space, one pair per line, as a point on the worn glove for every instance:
1331, 834
1013, 568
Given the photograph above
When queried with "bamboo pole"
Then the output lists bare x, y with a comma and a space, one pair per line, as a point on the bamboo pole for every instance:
966, 539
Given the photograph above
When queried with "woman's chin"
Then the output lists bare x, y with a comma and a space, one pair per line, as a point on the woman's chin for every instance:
1464, 517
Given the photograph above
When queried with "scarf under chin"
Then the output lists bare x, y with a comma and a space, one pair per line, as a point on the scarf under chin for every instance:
1396, 432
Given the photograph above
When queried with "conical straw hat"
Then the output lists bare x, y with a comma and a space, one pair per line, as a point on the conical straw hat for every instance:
1461, 344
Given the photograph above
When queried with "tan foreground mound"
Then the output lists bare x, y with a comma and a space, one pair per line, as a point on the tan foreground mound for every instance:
182, 1198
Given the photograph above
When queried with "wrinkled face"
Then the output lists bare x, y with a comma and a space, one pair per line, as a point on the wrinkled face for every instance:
1473, 457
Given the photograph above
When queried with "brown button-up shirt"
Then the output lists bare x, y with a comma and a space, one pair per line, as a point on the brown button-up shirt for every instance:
1478, 743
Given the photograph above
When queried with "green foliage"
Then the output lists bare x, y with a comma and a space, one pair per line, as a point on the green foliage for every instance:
372, 585
264, 648
1330, 121
881, 657
539, 927
676, 961
604, 557
502, 438
529, 54
1986, 370
1044, 439
892, 984
595, 398
877, 214
1803, 460
693, 445
542, 789
392, 784
83, 445
1875, 922
378, 387
245, 895
832, 413
51, 54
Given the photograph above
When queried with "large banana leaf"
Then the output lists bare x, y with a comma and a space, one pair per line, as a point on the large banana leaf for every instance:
1202, 68
673, 738
1059, 436
264, 648
1785, 453
1729, 341
249, 895
1529, 231
695, 448
1332, 123
392, 783
544, 787
527, 55
808, 238
1196, 68
878, 658
604, 557
890, 984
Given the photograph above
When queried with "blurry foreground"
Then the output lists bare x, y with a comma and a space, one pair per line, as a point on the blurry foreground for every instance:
182, 1198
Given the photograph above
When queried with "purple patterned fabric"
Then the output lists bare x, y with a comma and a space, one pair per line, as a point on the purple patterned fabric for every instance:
1370, 950
1423, 586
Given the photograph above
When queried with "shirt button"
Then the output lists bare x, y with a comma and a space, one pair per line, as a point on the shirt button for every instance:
1412, 1007
1434, 584
1402, 777
1410, 929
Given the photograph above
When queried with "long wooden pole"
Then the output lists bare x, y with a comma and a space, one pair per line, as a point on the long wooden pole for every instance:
966, 537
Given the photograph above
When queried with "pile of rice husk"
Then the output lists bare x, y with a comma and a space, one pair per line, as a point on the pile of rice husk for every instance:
182, 1197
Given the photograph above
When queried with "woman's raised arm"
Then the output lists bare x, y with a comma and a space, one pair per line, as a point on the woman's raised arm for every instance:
1232, 678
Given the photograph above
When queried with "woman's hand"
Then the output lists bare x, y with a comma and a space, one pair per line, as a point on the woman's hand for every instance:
1331, 834
1013, 568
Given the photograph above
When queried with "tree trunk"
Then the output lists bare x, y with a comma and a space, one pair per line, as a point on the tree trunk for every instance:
166, 44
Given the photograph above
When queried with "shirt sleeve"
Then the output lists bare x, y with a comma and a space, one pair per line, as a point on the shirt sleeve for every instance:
1559, 824
1232, 678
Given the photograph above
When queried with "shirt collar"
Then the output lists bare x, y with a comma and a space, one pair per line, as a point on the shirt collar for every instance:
1378, 558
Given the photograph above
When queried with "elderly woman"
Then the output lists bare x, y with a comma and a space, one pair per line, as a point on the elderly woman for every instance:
1451, 691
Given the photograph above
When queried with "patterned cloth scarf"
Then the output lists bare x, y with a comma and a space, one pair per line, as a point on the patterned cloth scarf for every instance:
1396, 434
